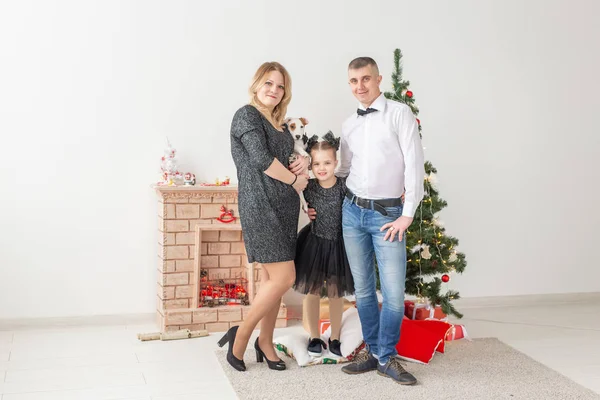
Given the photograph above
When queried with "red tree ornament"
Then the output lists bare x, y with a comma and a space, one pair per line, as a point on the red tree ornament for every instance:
419, 121
409, 94
445, 278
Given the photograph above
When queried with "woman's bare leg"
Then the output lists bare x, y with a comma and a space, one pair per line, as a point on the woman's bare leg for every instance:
267, 325
281, 277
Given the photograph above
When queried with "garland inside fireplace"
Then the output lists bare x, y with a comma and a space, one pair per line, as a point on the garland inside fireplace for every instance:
223, 292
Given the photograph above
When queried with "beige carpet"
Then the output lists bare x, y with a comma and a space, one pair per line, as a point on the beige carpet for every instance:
482, 369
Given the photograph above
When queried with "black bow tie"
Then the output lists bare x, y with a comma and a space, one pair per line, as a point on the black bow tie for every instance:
365, 112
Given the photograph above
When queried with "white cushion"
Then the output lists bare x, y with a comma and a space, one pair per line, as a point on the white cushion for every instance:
295, 345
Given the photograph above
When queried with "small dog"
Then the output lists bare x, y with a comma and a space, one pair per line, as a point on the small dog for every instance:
297, 127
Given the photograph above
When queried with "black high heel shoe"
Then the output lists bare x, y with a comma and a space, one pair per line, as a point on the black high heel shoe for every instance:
231, 359
260, 357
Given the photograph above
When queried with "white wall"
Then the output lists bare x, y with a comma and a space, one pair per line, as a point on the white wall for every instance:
89, 90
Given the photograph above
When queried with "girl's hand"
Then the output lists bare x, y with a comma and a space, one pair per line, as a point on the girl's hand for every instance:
300, 183
300, 166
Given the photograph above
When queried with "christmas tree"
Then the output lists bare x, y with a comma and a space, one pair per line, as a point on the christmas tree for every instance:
431, 253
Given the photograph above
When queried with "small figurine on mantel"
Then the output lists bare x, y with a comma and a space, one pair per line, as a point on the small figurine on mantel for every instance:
189, 179
224, 182
178, 178
166, 179
218, 182
226, 215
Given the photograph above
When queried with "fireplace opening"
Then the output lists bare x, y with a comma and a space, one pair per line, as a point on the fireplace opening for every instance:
223, 291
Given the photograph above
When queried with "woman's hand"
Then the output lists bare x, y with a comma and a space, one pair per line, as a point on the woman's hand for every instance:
301, 182
300, 166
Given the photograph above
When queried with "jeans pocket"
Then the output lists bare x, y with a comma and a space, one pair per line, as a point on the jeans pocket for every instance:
394, 212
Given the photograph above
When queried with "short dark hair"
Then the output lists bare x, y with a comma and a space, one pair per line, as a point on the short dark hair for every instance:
361, 62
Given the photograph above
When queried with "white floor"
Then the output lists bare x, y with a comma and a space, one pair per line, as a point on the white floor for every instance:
101, 358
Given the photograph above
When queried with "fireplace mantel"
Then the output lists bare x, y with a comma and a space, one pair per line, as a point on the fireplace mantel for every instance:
190, 239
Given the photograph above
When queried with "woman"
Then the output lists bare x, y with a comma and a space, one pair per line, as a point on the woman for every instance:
268, 205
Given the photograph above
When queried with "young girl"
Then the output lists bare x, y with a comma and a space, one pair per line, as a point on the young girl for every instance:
321, 262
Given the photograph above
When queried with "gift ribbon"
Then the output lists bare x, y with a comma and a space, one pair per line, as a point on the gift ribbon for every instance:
425, 306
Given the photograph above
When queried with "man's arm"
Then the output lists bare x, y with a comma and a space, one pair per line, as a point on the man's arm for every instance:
414, 161
346, 155
414, 174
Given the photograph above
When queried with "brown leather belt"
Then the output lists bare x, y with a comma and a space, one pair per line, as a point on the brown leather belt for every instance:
377, 205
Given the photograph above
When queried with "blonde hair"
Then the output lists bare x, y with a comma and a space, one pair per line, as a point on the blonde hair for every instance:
260, 77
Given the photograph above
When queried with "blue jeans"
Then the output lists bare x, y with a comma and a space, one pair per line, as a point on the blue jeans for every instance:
363, 240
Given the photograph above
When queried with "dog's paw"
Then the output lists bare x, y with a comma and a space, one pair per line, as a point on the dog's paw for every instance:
303, 204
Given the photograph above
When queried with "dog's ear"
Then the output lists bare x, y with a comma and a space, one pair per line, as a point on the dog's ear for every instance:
287, 120
304, 120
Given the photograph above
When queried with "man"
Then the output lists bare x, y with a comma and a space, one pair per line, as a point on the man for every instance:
382, 157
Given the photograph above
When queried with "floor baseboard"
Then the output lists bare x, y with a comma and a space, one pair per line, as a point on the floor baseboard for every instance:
527, 300
296, 311
83, 321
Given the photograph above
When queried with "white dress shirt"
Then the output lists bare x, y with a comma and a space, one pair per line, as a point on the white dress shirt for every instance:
382, 154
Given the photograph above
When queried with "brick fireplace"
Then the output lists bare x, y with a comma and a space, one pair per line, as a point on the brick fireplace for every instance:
191, 240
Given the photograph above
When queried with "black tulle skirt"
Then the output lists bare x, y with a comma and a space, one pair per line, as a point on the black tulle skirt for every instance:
322, 266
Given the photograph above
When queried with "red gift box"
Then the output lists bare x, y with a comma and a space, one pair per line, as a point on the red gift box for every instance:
457, 332
420, 311
323, 325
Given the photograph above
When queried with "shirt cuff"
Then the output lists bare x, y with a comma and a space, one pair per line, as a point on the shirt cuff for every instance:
409, 209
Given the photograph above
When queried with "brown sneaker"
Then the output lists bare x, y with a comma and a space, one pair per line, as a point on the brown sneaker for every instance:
393, 369
364, 362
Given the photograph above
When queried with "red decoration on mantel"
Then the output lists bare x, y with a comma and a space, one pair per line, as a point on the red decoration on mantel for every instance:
218, 182
226, 216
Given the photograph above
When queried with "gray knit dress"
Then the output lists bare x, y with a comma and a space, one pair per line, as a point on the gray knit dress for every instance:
269, 209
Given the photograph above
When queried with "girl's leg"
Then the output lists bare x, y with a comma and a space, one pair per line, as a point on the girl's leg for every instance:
281, 277
336, 309
312, 309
